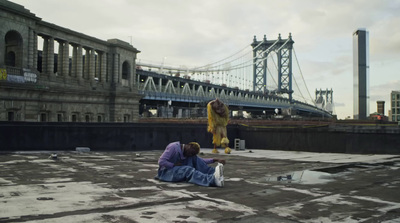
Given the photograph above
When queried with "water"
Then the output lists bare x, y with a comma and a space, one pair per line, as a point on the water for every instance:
303, 177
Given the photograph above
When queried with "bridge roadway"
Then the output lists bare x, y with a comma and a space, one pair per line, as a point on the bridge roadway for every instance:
158, 89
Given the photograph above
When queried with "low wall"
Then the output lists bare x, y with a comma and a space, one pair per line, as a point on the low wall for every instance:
101, 136
328, 138
25, 136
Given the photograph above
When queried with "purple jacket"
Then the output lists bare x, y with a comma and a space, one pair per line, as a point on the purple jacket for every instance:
174, 154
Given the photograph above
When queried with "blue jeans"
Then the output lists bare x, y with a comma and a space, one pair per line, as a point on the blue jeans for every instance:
193, 170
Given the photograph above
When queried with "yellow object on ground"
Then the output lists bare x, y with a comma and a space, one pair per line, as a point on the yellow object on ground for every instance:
215, 150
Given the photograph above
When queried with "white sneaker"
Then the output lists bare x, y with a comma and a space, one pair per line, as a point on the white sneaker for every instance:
219, 175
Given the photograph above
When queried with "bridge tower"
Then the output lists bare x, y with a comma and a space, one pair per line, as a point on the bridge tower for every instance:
324, 99
283, 49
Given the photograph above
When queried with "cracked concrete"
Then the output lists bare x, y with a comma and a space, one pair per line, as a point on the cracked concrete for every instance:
120, 187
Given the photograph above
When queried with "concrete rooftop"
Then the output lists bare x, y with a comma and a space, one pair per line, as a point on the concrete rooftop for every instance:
120, 187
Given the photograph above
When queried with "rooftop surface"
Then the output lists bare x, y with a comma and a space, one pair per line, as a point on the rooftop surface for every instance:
260, 186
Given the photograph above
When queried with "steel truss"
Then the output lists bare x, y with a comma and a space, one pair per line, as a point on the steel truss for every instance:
283, 49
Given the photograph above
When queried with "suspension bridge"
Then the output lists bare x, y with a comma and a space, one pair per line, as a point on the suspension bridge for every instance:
260, 78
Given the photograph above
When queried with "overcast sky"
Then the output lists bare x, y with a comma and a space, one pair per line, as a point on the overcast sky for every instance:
194, 33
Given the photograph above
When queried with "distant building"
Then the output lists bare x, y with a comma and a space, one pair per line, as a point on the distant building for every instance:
380, 107
380, 114
360, 74
395, 106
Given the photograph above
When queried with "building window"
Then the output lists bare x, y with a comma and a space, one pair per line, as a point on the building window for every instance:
74, 118
99, 118
126, 70
10, 59
87, 118
126, 118
43, 117
398, 104
11, 116
13, 49
59, 117
398, 96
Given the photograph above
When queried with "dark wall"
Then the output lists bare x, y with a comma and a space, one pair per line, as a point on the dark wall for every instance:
335, 139
101, 136
153, 136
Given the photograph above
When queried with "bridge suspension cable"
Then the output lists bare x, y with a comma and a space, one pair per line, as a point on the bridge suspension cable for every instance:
301, 73
219, 61
211, 65
241, 65
247, 63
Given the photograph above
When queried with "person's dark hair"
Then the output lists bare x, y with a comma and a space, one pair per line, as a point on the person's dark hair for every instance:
195, 146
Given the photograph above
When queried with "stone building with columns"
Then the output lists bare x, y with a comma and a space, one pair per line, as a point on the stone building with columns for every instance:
50, 73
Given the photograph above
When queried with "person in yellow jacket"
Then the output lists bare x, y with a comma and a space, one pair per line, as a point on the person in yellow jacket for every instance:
218, 117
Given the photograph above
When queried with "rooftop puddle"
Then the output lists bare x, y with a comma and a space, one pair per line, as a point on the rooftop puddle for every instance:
317, 176
303, 177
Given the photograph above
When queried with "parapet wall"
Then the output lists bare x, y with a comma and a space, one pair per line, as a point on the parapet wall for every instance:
28, 136
101, 136
326, 138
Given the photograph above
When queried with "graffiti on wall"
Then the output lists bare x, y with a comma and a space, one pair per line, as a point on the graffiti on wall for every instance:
3, 74
29, 77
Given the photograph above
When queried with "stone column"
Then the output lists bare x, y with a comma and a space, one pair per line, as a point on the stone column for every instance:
86, 64
132, 73
65, 62
116, 69
60, 58
44, 55
103, 67
31, 49
79, 63
100, 68
50, 56
74, 60
135, 82
109, 67
92, 65
35, 51
98, 65
83, 61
